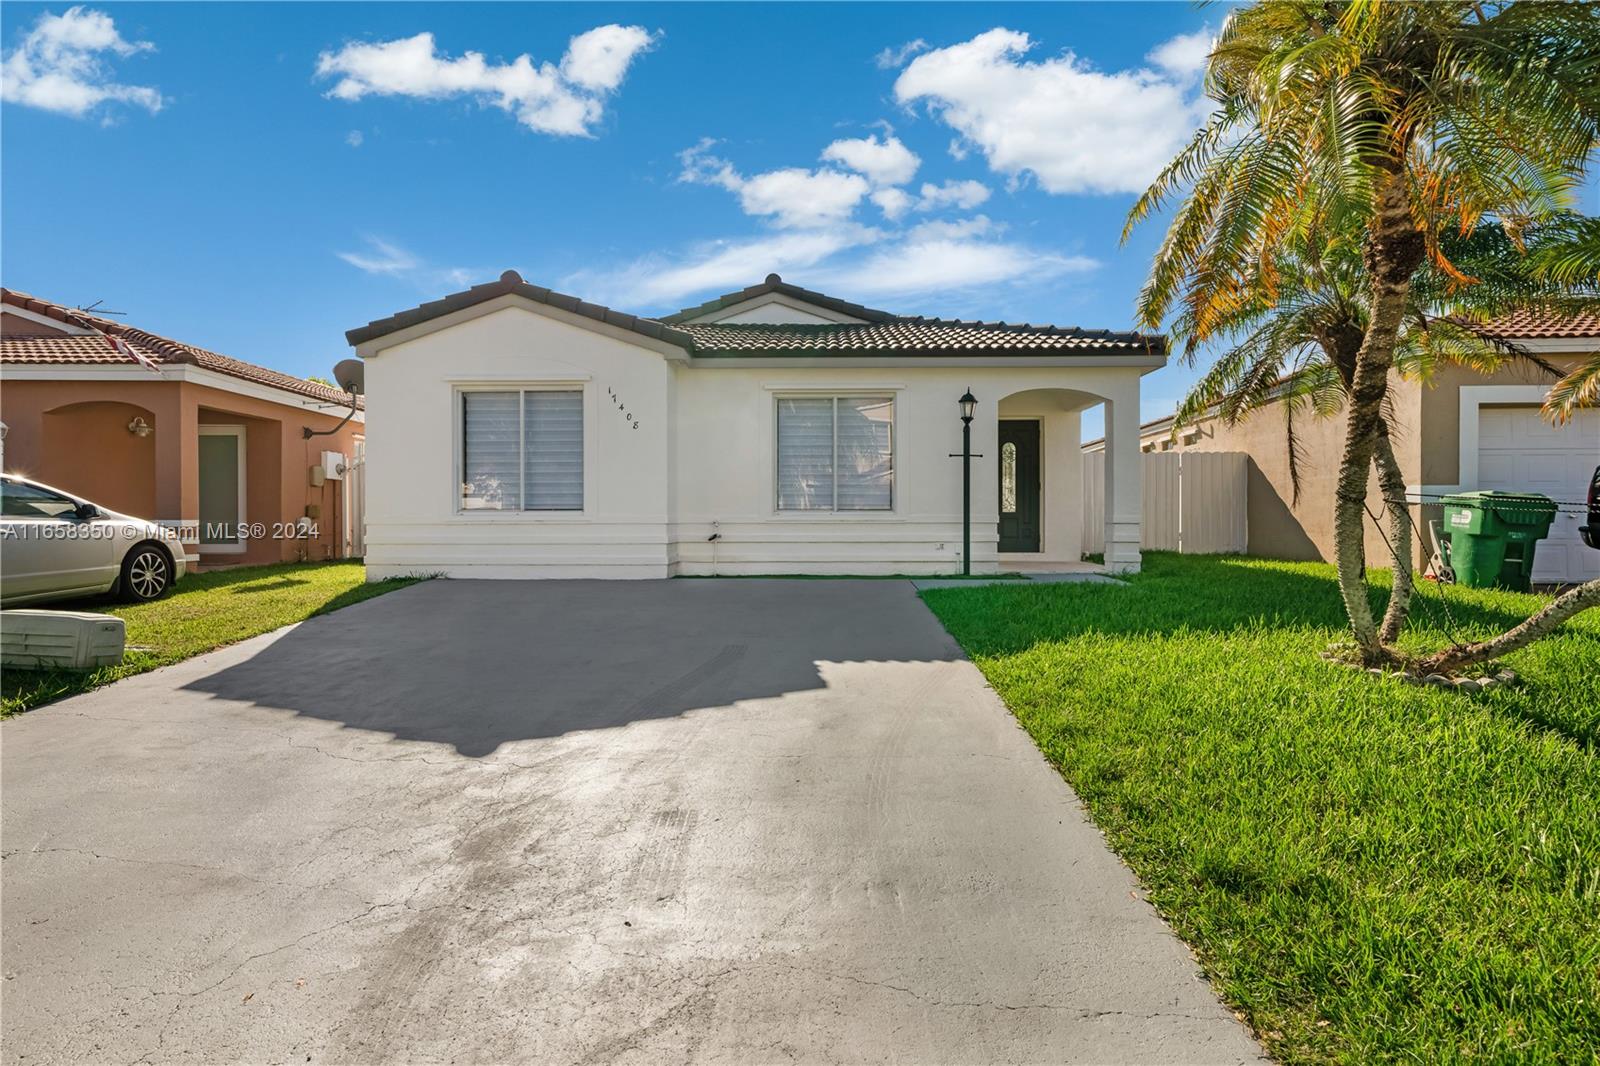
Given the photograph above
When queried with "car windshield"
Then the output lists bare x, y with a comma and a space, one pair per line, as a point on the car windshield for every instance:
31, 501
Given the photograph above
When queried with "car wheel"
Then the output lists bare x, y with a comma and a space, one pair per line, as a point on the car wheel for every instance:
146, 574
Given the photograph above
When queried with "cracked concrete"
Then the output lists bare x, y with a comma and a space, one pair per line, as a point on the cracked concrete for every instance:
568, 822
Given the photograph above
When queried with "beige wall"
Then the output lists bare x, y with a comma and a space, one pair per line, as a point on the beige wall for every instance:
1279, 526
122, 473
1441, 411
1427, 445
73, 434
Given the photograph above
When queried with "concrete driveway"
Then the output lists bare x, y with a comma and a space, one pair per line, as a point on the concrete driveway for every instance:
639, 822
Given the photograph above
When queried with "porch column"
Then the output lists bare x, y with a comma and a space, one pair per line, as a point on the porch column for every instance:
177, 434
1124, 500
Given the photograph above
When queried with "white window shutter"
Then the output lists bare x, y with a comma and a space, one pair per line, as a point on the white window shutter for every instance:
805, 454
552, 448
491, 432
865, 453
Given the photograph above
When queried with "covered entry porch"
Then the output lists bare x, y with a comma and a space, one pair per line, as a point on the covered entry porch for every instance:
1036, 462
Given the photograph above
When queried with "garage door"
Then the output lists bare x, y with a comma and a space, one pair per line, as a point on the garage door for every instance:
1521, 452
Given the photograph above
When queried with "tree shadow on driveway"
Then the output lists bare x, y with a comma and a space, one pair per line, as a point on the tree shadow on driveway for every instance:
477, 664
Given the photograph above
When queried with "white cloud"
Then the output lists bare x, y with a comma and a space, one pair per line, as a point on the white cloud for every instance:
387, 259
713, 267
354, 138
929, 264
567, 100
1185, 56
793, 197
893, 202
1074, 128
381, 257
60, 65
819, 242
890, 58
964, 195
884, 162
855, 262
803, 198
936, 229
598, 60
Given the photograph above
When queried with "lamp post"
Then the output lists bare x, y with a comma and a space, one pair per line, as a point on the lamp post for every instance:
969, 403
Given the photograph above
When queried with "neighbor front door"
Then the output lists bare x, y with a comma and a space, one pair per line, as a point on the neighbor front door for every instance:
1019, 486
222, 489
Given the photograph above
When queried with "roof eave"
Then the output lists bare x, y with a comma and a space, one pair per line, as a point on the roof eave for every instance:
511, 284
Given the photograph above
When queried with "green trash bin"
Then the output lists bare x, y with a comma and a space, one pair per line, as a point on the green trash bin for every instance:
1493, 536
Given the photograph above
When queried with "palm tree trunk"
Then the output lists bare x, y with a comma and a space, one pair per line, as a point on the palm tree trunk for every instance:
1540, 625
1393, 252
1393, 485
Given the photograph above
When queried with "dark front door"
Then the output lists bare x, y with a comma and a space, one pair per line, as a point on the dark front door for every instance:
1019, 486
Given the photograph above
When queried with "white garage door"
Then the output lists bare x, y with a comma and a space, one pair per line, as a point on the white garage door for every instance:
1521, 452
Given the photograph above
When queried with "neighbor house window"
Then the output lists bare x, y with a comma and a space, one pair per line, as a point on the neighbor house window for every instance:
522, 450
836, 453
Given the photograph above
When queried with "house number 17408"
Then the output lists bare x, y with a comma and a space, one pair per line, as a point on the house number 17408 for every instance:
630, 419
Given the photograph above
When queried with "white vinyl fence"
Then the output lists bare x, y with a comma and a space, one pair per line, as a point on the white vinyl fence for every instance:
1194, 502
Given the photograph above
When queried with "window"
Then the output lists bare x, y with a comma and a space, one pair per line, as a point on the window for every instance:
522, 450
1008, 478
836, 453
30, 501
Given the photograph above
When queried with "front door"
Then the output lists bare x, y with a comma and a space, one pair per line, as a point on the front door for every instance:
1019, 486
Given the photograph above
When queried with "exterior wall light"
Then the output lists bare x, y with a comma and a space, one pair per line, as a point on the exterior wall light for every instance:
139, 427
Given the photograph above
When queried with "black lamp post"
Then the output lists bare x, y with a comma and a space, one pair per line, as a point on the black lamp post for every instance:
969, 403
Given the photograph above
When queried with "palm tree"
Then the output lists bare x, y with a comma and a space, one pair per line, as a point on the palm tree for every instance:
1301, 350
1389, 124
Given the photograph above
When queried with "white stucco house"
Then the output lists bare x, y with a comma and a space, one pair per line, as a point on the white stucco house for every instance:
513, 432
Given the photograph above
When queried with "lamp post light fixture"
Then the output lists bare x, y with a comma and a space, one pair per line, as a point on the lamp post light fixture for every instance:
969, 404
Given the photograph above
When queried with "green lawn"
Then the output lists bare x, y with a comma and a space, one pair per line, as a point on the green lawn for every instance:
1369, 870
205, 611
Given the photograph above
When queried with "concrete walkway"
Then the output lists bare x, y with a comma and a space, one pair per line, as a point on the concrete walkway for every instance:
564, 822
1074, 577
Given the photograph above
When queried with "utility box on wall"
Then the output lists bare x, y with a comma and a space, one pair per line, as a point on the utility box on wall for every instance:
333, 465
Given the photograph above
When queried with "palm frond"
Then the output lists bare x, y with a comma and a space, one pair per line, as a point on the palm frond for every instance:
1579, 389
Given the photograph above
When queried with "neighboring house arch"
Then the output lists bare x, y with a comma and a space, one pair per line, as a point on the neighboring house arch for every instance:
104, 450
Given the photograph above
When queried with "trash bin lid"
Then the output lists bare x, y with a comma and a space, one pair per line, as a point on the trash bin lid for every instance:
1516, 507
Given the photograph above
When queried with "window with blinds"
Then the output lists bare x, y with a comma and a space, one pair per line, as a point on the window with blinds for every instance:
836, 453
522, 450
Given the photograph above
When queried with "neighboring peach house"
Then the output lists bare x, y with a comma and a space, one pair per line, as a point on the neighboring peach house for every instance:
159, 429
1459, 431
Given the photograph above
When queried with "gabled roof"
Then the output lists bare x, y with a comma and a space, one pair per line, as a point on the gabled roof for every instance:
881, 333
511, 283
95, 347
775, 284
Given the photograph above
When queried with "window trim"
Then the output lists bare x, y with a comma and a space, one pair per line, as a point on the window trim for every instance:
836, 394
458, 448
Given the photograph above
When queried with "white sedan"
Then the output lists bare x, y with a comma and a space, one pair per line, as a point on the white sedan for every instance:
56, 546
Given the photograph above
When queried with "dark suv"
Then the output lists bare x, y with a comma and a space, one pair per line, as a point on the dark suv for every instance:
1591, 532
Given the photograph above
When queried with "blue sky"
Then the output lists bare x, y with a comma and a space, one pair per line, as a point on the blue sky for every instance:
258, 178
